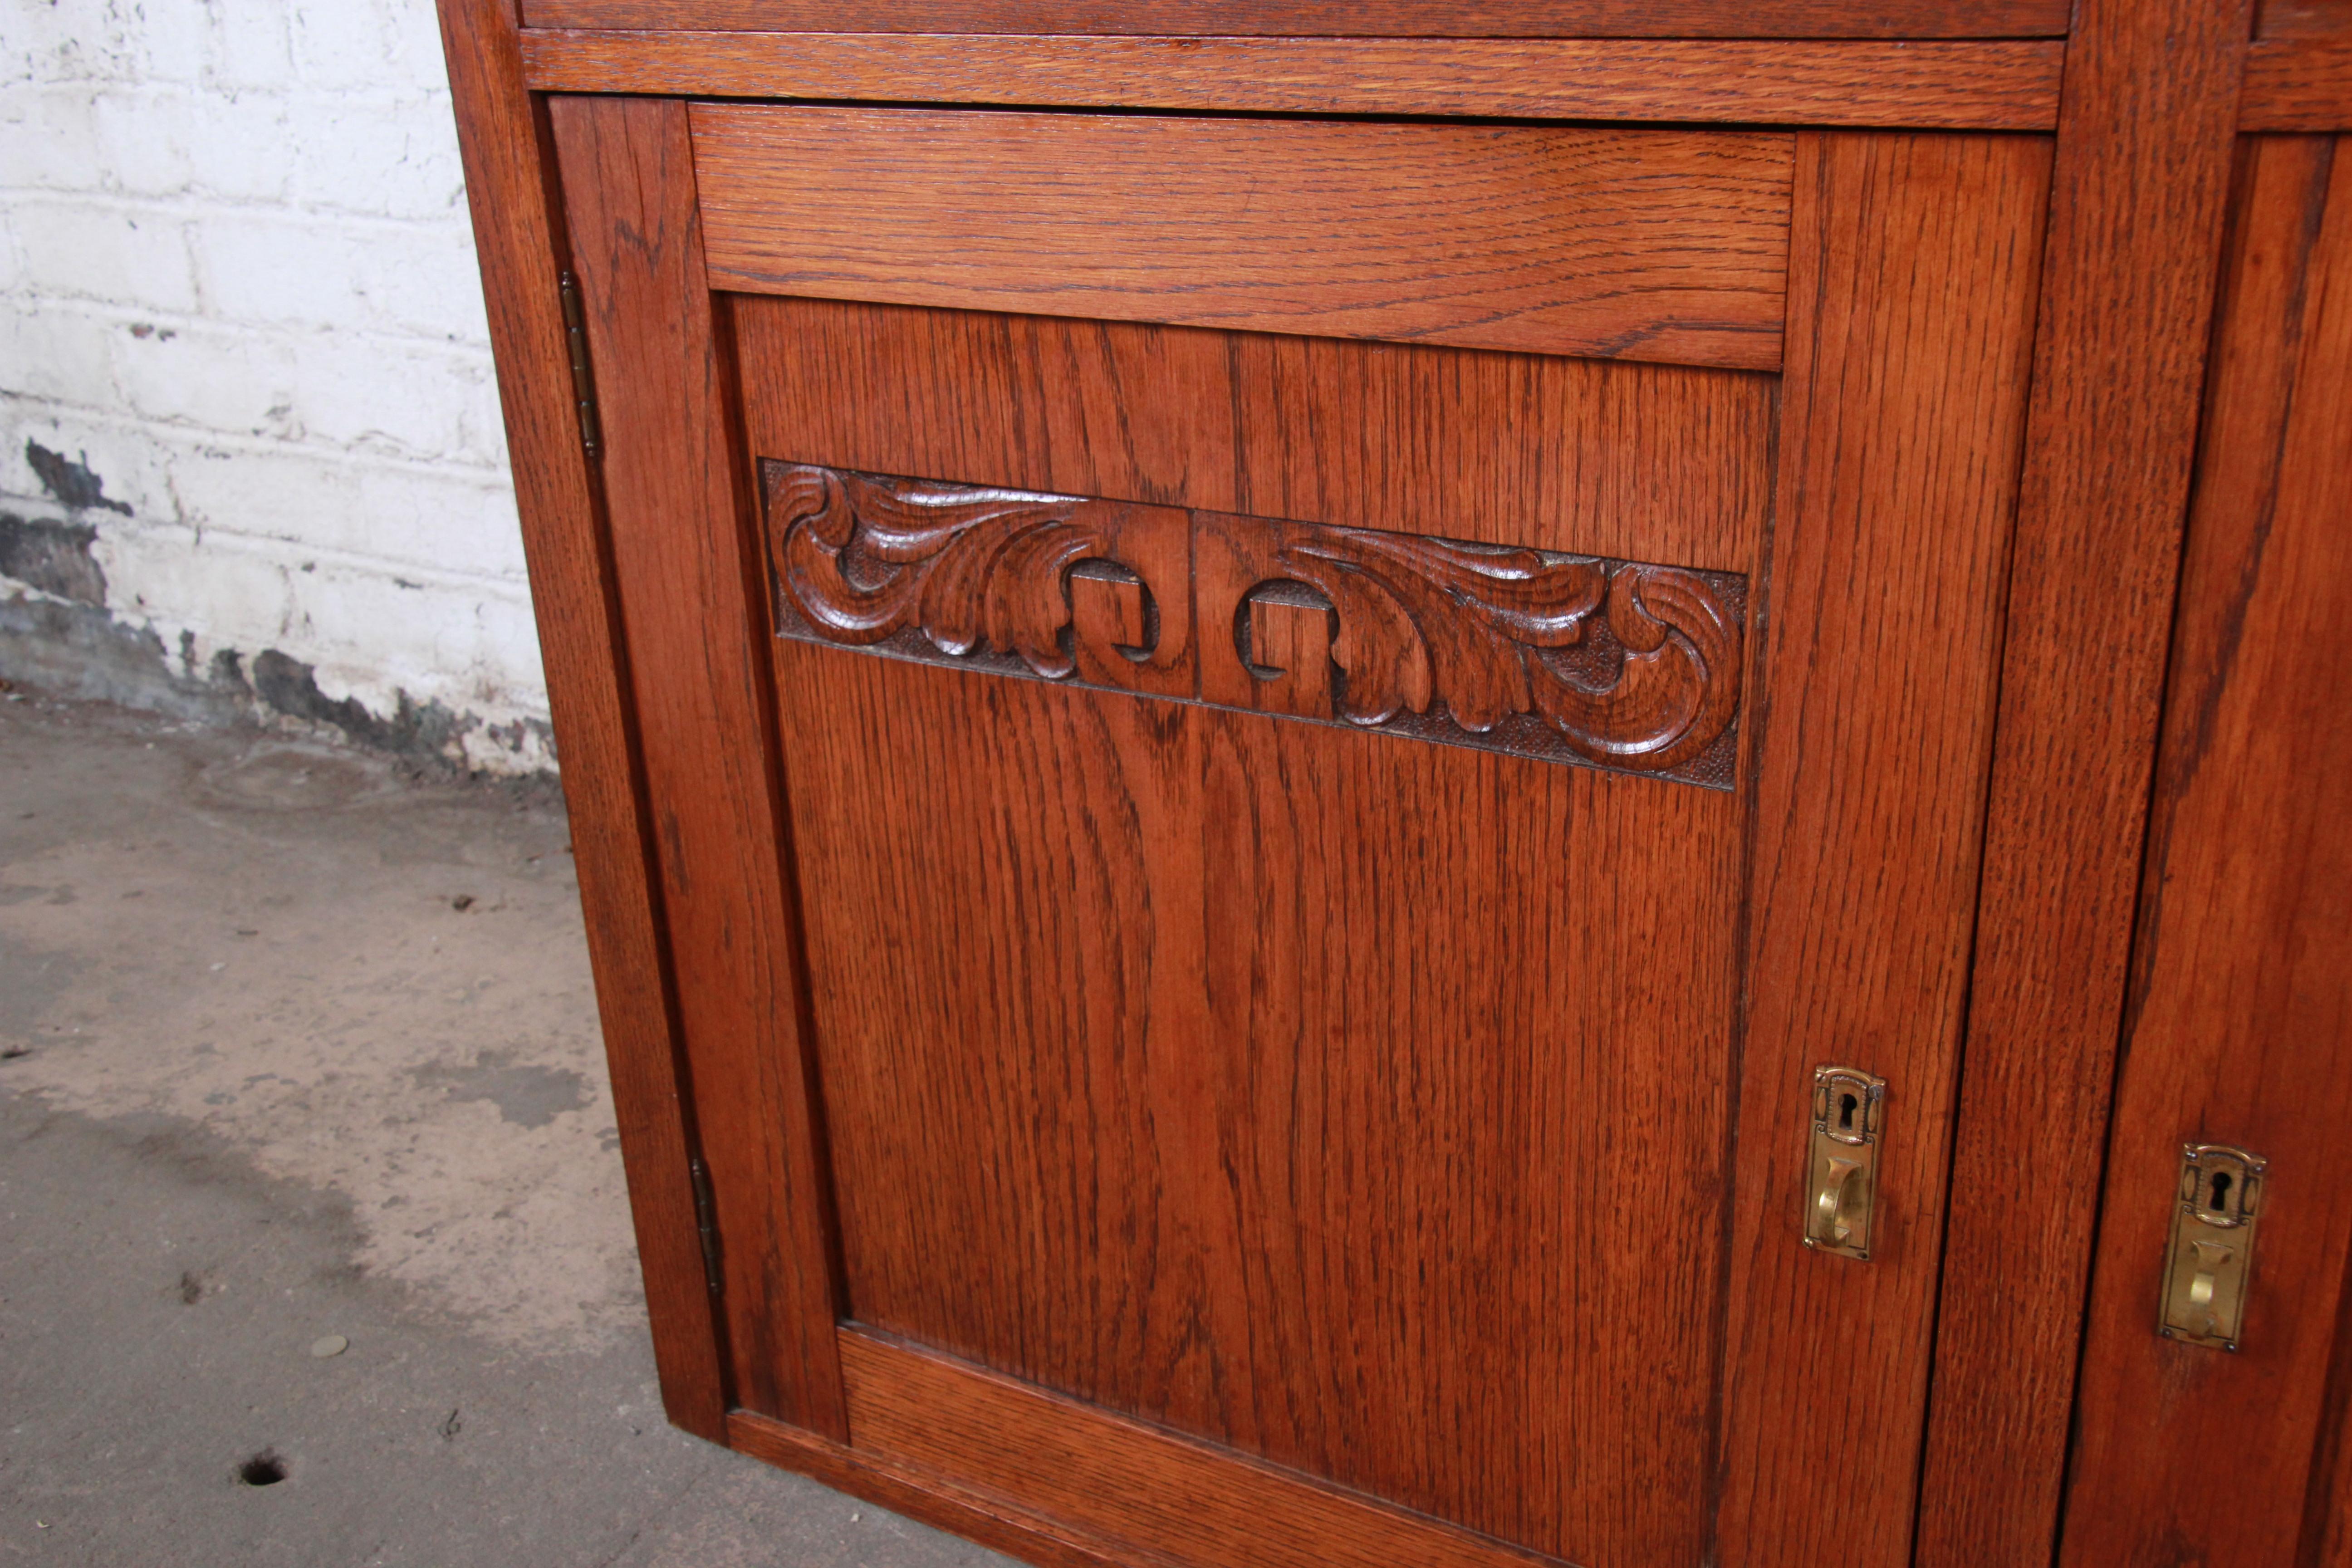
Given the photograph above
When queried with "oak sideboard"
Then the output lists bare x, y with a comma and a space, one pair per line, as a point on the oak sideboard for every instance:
1443, 784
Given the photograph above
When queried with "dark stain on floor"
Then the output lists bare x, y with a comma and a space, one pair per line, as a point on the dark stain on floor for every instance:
525, 1095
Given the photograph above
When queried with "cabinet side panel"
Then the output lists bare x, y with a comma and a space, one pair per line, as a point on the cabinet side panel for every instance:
2241, 996
510, 187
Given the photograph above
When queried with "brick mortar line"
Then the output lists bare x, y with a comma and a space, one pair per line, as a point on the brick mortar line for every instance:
286, 554
496, 472
180, 321
194, 204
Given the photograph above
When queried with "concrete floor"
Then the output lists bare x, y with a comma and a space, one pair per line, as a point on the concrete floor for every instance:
292, 1049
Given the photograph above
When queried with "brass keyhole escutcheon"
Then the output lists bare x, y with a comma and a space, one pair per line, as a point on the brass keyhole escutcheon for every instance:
2210, 1263
1844, 1160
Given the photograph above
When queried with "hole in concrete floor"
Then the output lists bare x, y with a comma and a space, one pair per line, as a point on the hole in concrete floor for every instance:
264, 1469
12, 1052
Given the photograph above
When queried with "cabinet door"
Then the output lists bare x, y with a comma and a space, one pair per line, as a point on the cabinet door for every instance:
1276, 750
2241, 997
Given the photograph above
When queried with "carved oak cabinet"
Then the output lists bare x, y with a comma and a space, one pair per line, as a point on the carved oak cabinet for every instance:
1452, 783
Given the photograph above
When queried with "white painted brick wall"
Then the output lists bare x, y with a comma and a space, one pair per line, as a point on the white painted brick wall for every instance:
235, 272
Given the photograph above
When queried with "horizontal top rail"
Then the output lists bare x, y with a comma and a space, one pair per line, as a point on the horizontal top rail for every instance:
1997, 85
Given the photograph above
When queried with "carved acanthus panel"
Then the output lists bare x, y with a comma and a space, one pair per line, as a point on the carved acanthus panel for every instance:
1563, 658
1059, 587
1521, 650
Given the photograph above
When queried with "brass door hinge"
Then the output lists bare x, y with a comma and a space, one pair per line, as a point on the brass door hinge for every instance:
583, 386
706, 1221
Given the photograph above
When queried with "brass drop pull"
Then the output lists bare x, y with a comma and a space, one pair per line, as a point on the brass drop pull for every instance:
1844, 1160
2212, 1250
1834, 1217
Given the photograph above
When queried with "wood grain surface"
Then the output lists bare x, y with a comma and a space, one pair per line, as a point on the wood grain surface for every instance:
919, 1492
2242, 993
2327, 1506
1111, 1254
1649, 245
518, 233
2305, 19
2010, 85
1207, 1154
1631, 461
1913, 280
686, 559
1495, 19
2139, 186
1127, 1479
2298, 84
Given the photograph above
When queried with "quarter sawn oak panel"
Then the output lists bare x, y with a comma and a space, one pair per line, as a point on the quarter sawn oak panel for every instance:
1111, 1014
1654, 244
1628, 461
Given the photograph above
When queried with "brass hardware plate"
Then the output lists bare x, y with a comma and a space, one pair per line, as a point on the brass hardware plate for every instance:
2212, 1258
1841, 1185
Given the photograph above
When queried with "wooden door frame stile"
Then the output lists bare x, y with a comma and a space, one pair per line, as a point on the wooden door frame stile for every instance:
1912, 282
2149, 118
679, 518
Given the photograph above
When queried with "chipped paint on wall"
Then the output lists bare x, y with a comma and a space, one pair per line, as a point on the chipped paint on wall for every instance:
60, 629
250, 454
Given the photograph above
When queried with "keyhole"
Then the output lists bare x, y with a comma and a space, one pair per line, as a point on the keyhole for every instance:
2221, 1192
1847, 1105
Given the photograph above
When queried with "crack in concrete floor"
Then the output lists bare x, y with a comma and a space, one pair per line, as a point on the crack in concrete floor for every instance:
292, 1048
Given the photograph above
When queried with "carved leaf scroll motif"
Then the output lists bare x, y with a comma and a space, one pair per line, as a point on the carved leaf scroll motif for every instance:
1565, 657
966, 573
1484, 632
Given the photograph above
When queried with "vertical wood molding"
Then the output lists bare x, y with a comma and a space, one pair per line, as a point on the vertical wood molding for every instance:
509, 186
2145, 133
2242, 987
678, 493
1912, 282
